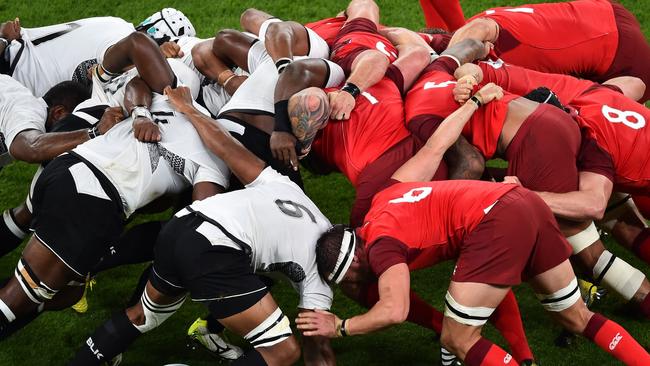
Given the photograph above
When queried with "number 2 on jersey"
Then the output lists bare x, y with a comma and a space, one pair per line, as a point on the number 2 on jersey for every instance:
631, 119
293, 209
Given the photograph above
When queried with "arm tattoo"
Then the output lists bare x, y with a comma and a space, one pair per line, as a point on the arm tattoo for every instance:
307, 113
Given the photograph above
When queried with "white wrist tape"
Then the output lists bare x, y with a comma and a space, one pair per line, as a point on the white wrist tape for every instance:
273, 330
561, 299
584, 239
618, 275
473, 316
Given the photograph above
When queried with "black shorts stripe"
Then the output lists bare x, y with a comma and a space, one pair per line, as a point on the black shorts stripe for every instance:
463, 315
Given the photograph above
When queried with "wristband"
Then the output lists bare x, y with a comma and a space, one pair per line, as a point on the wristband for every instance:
221, 79
282, 63
141, 111
282, 122
344, 333
228, 80
351, 89
94, 132
474, 99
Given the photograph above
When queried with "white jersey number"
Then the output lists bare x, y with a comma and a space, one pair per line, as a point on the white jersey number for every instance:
631, 119
434, 85
512, 10
382, 48
293, 209
414, 195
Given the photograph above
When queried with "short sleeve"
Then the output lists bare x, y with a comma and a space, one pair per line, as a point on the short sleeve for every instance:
220, 176
336, 75
314, 293
24, 114
268, 175
386, 252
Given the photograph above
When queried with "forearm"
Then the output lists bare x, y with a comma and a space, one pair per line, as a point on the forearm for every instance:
380, 316
369, 67
575, 206
468, 50
137, 94
482, 29
47, 146
215, 138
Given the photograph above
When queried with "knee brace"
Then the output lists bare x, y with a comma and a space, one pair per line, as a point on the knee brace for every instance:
584, 239
561, 299
273, 330
472, 316
36, 290
156, 314
618, 275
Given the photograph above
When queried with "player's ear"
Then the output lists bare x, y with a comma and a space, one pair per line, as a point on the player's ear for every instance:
55, 114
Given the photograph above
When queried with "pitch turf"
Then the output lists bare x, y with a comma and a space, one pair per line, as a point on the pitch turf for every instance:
53, 338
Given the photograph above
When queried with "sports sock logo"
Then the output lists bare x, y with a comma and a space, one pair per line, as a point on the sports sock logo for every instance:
617, 338
507, 359
91, 345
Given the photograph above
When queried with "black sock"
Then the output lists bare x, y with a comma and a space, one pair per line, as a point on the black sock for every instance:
108, 341
213, 325
139, 288
8, 233
135, 246
250, 358
9, 329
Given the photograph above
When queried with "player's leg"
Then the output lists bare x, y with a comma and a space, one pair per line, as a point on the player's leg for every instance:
139, 50
468, 305
367, 9
507, 319
557, 289
252, 19
231, 48
39, 275
14, 227
626, 224
431, 17
267, 329
114, 336
451, 12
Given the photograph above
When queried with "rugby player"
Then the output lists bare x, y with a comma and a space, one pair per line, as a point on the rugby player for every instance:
447, 15
479, 224
226, 235
600, 39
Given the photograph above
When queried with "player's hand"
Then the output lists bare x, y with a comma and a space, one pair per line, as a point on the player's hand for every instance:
511, 179
111, 117
171, 50
341, 104
317, 323
180, 98
10, 30
145, 130
283, 147
489, 92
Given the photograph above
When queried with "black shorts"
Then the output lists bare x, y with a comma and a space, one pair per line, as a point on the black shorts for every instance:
78, 227
258, 142
219, 276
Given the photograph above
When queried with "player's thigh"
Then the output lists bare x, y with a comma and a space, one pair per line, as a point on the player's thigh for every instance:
363, 9
232, 47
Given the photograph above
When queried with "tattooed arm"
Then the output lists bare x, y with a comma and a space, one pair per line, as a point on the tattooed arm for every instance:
309, 112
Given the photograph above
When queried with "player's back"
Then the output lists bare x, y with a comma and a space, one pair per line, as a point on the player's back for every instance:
619, 126
425, 214
577, 37
375, 125
271, 218
50, 55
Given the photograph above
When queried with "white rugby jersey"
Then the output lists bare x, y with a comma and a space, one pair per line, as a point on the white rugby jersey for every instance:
46, 56
142, 172
278, 225
19, 111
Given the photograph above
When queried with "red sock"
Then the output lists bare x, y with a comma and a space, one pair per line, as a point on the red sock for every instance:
420, 312
507, 319
641, 245
431, 16
615, 340
486, 353
451, 12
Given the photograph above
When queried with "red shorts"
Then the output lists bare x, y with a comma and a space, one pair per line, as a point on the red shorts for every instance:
376, 176
632, 50
517, 240
544, 151
356, 36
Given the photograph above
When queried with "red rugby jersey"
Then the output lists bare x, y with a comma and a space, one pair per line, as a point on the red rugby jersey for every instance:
619, 126
521, 81
429, 219
431, 100
375, 125
328, 28
578, 37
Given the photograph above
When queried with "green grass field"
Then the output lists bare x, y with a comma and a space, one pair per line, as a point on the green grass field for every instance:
53, 338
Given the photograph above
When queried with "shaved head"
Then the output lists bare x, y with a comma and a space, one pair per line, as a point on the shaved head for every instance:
309, 111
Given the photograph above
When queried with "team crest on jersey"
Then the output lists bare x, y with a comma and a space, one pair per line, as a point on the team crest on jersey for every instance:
292, 270
414, 195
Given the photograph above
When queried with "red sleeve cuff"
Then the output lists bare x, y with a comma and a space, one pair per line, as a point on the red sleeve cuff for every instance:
386, 252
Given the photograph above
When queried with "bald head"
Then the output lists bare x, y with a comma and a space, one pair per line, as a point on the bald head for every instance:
309, 111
